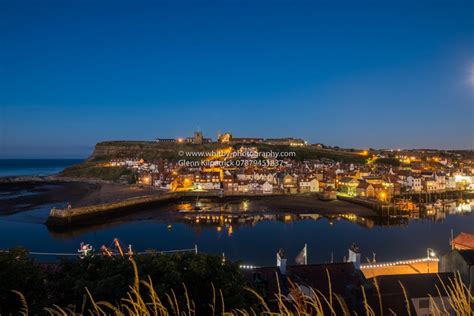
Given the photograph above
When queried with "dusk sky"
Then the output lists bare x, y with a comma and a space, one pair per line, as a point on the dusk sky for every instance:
350, 74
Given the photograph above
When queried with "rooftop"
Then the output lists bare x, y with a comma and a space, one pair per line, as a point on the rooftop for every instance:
464, 241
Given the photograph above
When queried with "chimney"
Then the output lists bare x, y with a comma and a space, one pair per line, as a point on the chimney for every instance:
281, 261
354, 256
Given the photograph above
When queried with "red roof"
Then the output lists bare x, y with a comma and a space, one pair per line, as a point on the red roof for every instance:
464, 241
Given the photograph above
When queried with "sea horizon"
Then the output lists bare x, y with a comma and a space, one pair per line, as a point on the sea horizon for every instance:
10, 167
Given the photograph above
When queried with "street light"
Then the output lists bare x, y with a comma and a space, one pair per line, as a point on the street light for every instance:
430, 253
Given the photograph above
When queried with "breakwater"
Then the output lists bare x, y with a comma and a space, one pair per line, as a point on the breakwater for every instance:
79, 215
100, 212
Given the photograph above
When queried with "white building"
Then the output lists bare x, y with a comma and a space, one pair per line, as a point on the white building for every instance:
267, 188
415, 184
309, 185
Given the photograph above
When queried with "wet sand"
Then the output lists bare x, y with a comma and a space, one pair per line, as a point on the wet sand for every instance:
19, 196
308, 203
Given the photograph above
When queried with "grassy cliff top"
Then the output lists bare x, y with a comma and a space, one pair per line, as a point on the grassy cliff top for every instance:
152, 151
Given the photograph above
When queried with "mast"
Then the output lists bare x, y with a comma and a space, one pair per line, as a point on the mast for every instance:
305, 254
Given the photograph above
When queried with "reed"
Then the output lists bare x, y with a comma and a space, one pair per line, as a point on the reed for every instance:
142, 299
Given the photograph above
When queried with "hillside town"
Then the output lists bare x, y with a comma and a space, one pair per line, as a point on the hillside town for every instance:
383, 175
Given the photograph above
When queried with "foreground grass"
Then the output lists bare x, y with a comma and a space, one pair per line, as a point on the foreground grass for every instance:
143, 299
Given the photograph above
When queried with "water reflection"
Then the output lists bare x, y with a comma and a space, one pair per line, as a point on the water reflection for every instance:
230, 216
251, 236
221, 221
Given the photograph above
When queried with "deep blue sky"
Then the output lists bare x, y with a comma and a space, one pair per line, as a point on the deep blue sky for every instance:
361, 74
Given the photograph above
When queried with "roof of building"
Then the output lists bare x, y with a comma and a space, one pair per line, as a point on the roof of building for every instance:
464, 241
342, 276
373, 177
416, 286
344, 279
347, 180
363, 185
391, 178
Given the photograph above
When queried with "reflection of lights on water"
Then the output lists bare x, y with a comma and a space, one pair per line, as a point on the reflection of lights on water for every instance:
350, 216
227, 220
185, 207
219, 228
463, 207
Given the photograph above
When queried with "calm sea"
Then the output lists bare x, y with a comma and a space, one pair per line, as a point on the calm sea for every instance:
34, 167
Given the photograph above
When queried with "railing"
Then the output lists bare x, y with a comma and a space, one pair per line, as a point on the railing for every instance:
62, 254
396, 263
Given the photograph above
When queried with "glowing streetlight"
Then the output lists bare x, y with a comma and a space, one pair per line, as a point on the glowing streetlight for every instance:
430, 254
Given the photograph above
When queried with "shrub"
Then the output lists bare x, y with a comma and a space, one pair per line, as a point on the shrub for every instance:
19, 273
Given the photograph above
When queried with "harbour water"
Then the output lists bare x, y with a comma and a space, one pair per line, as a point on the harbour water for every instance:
248, 236
253, 239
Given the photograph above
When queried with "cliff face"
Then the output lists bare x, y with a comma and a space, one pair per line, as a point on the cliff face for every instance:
146, 150
107, 150
152, 151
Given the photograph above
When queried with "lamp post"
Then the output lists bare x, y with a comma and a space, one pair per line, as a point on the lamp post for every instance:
430, 253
